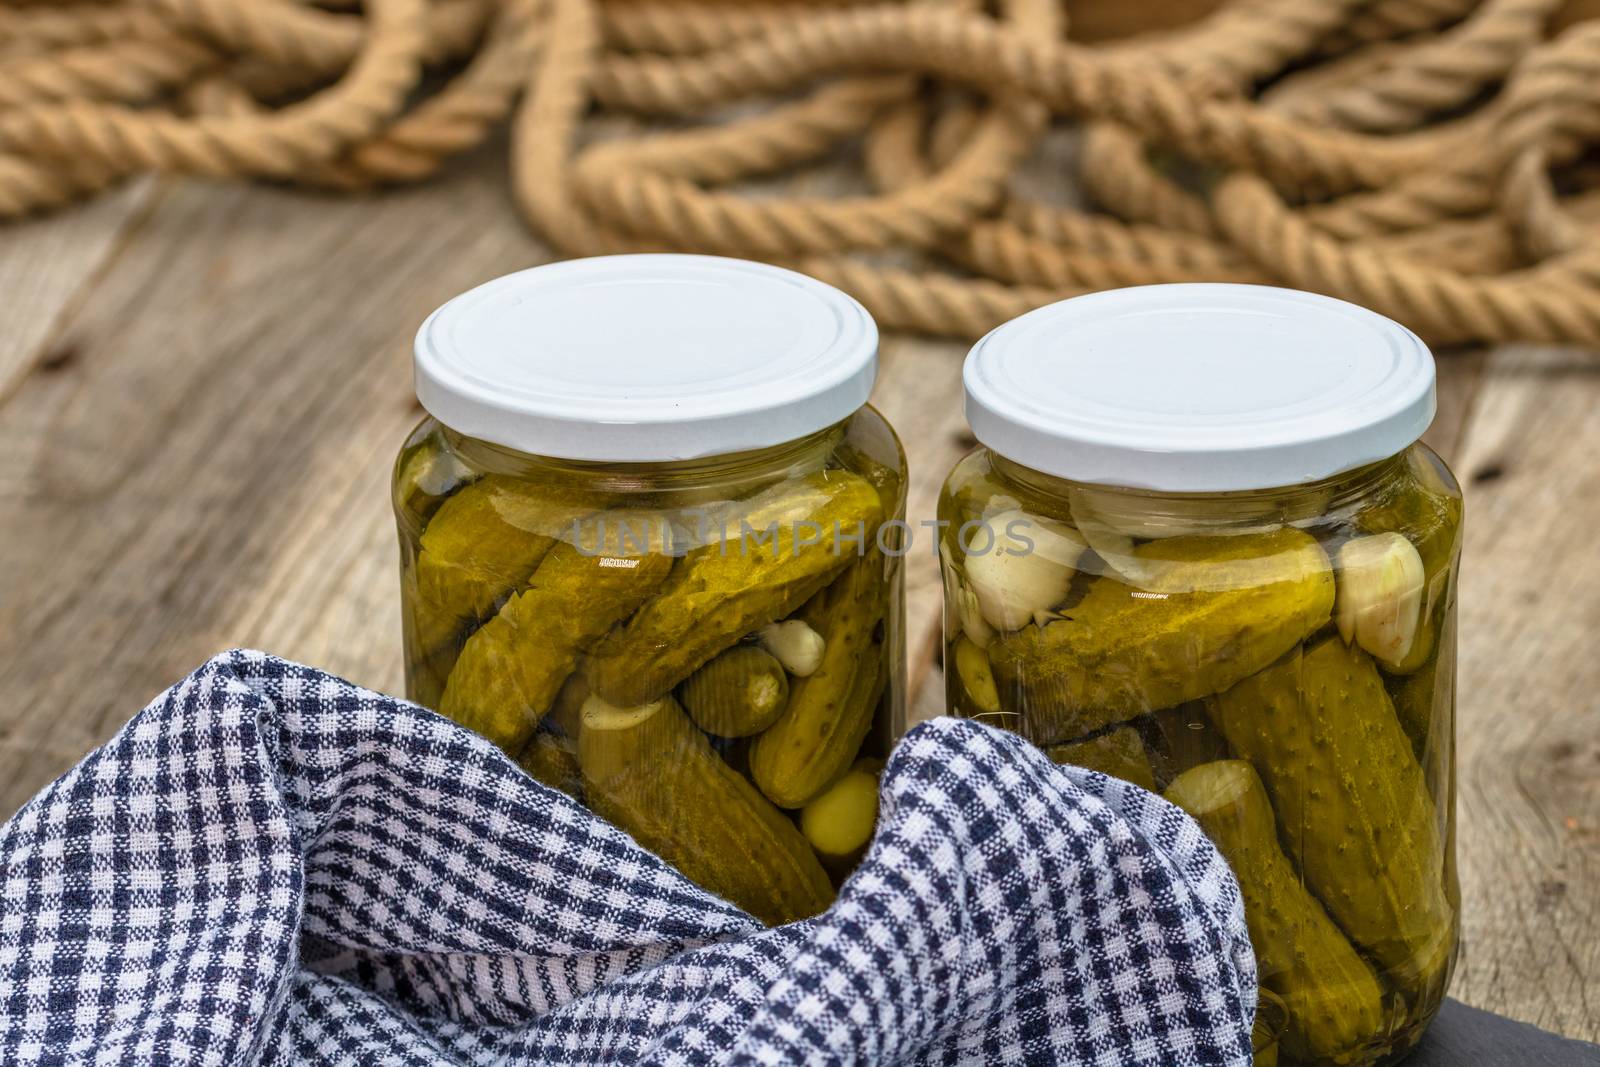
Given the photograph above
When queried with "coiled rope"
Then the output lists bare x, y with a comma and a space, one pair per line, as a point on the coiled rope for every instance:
1423, 157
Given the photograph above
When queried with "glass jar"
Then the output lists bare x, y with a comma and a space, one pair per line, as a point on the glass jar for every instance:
650, 542
1201, 549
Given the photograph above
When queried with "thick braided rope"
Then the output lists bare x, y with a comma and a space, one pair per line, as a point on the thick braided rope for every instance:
1411, 84
1419, 156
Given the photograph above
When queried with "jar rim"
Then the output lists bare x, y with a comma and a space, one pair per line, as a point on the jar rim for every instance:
1199, 387
646, 358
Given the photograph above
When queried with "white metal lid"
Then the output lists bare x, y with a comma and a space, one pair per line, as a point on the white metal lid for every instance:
646, 358
1199, 388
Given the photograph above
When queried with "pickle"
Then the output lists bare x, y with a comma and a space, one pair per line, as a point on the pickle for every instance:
1355, 809
481, 544
512, 667
426, 670
721, 591
1120, 754
1424, 702
650, 772
1334, 1002
551, 760
840, 821
1212, 610
829, 713
974, 686
1413, 705
891, 491
423, 686
738, 692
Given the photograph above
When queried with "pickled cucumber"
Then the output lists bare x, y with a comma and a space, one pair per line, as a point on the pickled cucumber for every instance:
512, 667
829, 713
721, 591
1413, 705
1355, 810
887, 481
426, 671
1425, 702
738, 692
973, 679
650, 772
482, 543
1119, 753
1334, 1002
426, 677
1212, 610
840, 821
552, 760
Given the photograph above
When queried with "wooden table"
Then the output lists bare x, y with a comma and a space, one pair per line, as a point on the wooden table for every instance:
202, 388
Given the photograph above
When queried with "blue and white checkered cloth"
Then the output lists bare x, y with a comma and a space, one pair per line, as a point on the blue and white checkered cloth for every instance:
269, 865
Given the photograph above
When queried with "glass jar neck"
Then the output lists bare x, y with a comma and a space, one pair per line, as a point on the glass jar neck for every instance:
1344, 491
727, 472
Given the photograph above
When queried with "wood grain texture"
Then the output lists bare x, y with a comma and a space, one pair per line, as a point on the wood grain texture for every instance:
209, 468
919, 392
1528, 710
46, 263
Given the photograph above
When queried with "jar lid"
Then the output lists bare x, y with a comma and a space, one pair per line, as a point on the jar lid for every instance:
1199, 388
646, 358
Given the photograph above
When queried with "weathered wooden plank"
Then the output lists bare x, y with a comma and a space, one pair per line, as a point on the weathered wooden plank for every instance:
206, 466
1528, 703
46, 262
919, 391
1460, 374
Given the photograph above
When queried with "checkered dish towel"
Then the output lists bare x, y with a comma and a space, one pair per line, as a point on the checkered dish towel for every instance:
269, 865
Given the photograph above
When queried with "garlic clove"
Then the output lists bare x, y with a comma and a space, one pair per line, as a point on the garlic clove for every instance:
794, 644
973, 624
1023, 566
1107, 539
952, 589
961, 614
1379, 600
